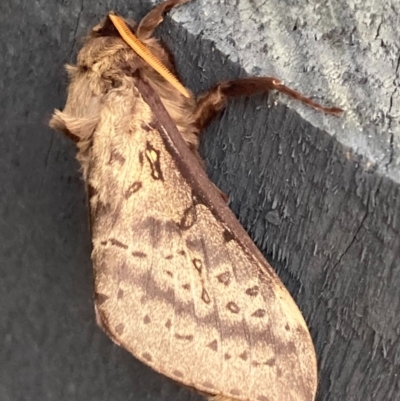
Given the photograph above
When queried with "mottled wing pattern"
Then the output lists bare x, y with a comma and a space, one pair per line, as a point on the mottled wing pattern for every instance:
175, 280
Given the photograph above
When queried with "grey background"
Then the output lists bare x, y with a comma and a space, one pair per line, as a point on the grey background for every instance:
319, 195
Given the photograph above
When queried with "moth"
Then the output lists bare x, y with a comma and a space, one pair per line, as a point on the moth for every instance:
177, 280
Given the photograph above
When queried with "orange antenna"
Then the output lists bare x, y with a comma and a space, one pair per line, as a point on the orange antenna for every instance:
145, 53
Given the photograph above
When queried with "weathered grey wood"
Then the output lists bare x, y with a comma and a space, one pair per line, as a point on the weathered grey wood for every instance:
344, 52
327, 216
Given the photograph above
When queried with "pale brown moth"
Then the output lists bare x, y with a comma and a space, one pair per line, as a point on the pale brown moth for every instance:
177, 280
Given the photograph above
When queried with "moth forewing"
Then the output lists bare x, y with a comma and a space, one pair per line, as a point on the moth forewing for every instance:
178, 282
181, 283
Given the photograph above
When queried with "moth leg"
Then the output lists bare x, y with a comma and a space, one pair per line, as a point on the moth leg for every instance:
213, 101
150, 22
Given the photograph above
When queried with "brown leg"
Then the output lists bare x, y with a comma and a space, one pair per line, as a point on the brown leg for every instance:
155, 17
213, 101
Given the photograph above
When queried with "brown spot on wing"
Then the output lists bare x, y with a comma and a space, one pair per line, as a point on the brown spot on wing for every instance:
140, 255
141, 158
197, 264
244, 355
117, 243
262, 398
213, 345
186, 286
253, 291
184, 337
146, 319
147, 356
177, 373
153, 157
119, 329
231, 306
259, 313
205, 297
235, 392
120, 294
270, 362
168, 324
135, 187
224, 278
227, 357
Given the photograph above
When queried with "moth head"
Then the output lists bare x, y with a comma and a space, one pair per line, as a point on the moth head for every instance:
104, 63
106, 56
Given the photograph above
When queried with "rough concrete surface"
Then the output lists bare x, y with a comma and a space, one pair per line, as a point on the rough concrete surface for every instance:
319, 195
